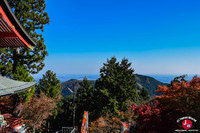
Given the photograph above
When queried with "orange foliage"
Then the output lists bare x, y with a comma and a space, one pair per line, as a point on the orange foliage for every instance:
37, 110
182, 96
110, 123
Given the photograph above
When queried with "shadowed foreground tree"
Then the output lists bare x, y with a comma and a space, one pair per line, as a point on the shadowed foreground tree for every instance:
37, 110
65, 114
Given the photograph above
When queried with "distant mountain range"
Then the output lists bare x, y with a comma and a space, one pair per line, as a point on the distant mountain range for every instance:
147, 82
69, 84
65, 77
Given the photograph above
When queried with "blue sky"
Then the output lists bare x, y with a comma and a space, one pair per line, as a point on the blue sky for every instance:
157, 36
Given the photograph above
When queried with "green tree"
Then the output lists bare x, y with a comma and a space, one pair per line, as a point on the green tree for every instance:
85, 95
23, 75
50, 85
32, 16
85, 101
116, 86
144, 94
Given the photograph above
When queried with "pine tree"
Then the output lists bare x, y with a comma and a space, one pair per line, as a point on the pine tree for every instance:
50, 85
32, 16
115, 86
85, 94
85, 100
23, 75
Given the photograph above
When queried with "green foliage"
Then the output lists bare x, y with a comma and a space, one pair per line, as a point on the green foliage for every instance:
113, 92
23, 75
144, 94
85, 94
32, 16
115, 86
85, 101
50, 85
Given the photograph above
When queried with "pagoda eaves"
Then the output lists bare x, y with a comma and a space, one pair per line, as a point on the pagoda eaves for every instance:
12, 34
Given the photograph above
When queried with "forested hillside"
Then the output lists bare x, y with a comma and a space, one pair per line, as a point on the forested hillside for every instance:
148, 83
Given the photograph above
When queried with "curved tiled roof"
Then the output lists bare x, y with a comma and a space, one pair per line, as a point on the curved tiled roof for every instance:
12, 34
9, 86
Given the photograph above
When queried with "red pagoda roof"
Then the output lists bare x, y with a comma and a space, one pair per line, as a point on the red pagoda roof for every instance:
12, 34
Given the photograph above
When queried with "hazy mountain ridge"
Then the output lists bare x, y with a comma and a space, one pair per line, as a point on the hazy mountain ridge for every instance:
148, 83
69, 84
142, 81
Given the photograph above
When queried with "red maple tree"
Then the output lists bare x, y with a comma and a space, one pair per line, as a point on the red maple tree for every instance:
182, 96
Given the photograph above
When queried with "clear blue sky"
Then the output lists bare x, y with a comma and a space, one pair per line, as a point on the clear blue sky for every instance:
157, 36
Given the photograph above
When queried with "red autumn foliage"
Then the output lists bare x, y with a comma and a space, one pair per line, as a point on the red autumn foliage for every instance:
152, 118
182, 96
177, 100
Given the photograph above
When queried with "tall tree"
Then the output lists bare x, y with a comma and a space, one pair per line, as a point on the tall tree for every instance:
85, 95
115, 86
50, 85
85, 100
32, 16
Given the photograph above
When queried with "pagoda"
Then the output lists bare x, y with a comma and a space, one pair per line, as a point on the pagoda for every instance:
12, 35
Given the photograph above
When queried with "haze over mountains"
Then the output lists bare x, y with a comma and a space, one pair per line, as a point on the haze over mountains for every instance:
142, 81
66, 77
